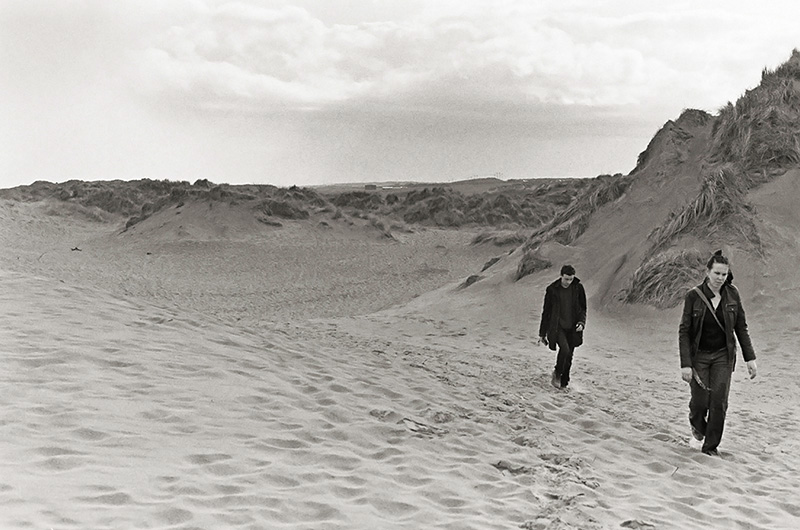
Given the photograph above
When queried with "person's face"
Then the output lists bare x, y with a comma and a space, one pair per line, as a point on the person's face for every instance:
717, 275
566, 279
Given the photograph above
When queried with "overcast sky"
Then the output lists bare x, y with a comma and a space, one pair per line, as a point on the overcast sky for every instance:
317, 91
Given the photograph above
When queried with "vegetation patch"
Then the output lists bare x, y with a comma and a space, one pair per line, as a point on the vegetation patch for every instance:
470, 280
490, 263
663, 280
720, 211
568, 224
500, 239
530, 263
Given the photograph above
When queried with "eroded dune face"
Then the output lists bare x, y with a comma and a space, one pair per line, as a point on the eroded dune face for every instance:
703, 183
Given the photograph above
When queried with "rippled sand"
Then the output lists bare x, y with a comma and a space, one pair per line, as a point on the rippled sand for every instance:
122, 409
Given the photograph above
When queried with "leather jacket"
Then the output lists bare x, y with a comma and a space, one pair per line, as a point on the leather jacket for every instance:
735, 322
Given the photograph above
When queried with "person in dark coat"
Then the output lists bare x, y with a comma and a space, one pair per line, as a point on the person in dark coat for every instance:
712, 315
563, 321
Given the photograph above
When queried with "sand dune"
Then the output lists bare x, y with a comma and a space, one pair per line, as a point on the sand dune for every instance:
204, 365
134, 395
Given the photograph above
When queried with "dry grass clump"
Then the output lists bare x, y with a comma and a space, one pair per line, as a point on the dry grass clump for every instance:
445, 207
500, 239
569, 223
359, 200
490, 263
305, 196
470, 280
719, 211
663, 280
381, 226
761, 131
753, 140
285, 209
115, 197
530, 263
71, 209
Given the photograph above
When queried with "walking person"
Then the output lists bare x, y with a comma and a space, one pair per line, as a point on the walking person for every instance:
563, 321
712, 315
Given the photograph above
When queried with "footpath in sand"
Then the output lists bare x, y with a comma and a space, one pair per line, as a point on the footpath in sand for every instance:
134, 411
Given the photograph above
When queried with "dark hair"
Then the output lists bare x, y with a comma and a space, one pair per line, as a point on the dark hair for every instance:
719, 258
569, 270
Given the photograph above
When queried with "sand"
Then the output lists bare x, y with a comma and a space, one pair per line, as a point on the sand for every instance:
344, 381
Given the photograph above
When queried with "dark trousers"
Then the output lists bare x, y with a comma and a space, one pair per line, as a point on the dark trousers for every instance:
708, 407
564, 357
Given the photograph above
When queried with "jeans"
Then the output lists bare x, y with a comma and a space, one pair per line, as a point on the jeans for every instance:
564, 358
707, 408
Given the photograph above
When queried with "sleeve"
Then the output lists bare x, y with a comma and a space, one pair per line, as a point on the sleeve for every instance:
743, 334
685, 332
582, 305
548, 304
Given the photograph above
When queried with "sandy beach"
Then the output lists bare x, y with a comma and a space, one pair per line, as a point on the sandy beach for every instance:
346, 381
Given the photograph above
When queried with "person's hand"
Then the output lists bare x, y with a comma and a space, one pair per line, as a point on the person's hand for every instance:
543, 340
686, 374
579, 327
752, 369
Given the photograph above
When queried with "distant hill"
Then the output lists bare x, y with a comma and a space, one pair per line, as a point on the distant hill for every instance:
505, 206
704, 182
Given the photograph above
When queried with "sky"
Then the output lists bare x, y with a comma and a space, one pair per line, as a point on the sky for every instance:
310, 92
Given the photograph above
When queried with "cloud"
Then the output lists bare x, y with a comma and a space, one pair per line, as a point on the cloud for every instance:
451, 56
189, 85
253, 57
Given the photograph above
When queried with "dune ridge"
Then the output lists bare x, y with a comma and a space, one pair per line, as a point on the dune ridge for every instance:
644, 235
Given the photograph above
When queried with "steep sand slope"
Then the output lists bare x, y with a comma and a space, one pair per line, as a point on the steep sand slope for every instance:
776, 283
615, 243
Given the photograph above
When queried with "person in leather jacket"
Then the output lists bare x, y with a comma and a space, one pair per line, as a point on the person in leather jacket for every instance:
712, 321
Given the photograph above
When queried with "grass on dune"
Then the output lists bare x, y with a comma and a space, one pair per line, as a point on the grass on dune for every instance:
663, 280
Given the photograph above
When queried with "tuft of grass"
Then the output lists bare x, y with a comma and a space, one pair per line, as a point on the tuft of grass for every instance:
753, 140
720, 209
490, 263
569, 223
530, 263
470, 280
663, 280
500, 239
761, 131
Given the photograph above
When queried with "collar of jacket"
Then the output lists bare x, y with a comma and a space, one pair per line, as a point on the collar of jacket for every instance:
556, 283
709, 293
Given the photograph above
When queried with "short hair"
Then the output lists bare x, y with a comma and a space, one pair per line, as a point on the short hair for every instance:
569, 270
717, 258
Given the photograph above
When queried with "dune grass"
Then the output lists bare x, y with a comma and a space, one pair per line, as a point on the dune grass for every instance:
761, 131
663, 280
530, 263
719, 211
501, 238
569, 223
753, 140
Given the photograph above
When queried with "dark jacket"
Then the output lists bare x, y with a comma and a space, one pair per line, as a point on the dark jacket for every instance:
549, 324
694, 310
